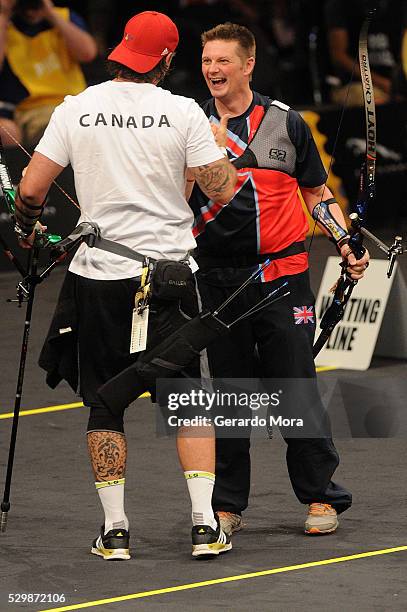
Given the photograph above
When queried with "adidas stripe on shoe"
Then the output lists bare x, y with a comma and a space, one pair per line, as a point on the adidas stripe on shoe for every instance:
114, 545
207, 541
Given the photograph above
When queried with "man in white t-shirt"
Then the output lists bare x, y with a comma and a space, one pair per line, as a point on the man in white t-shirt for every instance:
129, 143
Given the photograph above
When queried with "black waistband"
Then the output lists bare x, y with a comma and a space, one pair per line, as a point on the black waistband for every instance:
239, 261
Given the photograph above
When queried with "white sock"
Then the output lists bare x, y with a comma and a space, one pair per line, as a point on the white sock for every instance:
111, 495
200, 487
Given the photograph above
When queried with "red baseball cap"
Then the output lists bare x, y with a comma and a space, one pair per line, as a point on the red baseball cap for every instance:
148, 37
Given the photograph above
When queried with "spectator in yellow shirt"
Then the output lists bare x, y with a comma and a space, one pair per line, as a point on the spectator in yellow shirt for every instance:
41, 48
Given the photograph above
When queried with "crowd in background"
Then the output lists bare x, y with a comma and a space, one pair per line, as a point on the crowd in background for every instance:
306, 49
294, 51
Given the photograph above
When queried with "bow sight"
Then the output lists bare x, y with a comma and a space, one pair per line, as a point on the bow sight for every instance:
391, 251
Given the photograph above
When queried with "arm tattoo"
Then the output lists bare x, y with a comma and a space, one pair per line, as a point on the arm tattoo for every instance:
108, 451
216, 178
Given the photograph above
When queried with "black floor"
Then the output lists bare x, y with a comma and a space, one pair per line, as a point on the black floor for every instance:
55, 512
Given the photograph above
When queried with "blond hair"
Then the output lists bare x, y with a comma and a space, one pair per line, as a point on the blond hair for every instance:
232, 32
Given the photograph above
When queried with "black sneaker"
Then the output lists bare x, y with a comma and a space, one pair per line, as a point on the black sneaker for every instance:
112, 545
208, 541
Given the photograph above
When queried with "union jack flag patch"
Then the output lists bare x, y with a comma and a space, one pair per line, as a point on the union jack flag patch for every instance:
303, 314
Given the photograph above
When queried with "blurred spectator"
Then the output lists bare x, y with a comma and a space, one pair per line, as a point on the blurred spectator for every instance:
399, 81
294, 29
107, 18
195, 16
41, 47
100, 17
344, 20
286, 25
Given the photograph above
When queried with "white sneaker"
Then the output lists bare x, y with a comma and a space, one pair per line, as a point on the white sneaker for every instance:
321, 519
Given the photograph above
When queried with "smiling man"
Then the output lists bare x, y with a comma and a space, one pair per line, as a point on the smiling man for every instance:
265, 220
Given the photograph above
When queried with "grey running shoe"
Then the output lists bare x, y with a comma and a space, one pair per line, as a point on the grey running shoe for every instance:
321, 519
229, 522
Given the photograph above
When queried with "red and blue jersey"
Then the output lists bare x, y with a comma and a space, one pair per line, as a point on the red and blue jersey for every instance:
266, 214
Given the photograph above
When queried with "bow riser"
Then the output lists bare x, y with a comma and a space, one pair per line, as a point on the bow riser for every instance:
8, 194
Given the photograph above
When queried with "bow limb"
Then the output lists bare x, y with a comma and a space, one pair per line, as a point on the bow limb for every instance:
7, 194
20, 146
345, 284
6, 185
367, 189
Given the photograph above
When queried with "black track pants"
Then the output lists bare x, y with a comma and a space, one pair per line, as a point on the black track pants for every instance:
284, 350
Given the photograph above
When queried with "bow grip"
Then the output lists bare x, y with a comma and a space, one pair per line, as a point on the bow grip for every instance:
356, 237
355, 243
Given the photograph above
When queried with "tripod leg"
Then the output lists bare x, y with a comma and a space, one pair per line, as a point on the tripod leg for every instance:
5, 505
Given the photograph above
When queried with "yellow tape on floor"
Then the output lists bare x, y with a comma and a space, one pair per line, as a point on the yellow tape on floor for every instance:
9, 415
196, 585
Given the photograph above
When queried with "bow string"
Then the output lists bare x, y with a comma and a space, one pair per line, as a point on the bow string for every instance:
345, 284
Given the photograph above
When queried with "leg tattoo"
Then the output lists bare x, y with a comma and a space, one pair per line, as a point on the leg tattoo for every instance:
108, 452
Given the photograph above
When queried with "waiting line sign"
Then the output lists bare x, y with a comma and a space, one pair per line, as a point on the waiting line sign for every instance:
353, 341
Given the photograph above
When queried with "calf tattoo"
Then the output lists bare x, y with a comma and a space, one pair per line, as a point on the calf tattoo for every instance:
108, 451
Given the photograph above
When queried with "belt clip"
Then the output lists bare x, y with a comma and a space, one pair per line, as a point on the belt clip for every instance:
93, 235
143, 292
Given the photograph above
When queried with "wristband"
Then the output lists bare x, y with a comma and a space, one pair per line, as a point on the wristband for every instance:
340, 243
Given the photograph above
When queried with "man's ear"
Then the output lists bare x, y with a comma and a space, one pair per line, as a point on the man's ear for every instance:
249, 65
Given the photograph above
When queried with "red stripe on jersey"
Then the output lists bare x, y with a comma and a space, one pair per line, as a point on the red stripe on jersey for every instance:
280, 216
255, 118
286, 267
198, 228
213, 208
234, 147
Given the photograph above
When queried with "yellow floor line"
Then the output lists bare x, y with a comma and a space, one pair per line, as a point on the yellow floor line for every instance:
9, 415
58, 408
196, 585
326, 368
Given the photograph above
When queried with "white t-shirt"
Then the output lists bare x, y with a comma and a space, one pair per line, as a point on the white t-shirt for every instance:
129, 145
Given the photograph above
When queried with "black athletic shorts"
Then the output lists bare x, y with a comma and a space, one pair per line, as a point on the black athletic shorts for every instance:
104, 325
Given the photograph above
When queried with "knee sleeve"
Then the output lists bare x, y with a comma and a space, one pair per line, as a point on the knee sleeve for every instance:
100, 418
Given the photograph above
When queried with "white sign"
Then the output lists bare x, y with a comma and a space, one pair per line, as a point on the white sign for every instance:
353, 340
